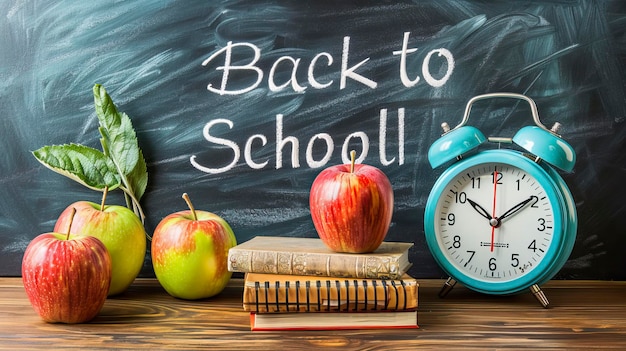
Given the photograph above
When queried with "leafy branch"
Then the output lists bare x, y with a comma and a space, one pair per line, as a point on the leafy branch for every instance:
120, 164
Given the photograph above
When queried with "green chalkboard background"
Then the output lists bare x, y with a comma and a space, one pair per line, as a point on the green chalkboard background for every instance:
162, 63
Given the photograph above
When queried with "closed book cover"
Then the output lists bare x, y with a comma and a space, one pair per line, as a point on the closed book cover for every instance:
334, 321
268, 293
309, 256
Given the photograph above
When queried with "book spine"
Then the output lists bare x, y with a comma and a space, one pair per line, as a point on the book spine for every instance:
330, 295
311, 264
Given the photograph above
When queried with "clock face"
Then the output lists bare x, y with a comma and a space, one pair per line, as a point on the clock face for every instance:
494, 222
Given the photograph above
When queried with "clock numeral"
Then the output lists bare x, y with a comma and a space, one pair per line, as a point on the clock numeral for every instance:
459, 197
475, 183
542, 224
451, 219
472, 253
533, 245
514, 260
534, 202
456, 243
492, 264
496, 177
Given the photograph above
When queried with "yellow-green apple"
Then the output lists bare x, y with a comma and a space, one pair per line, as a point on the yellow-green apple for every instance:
66, 278
190, 253
351, 207
119, 229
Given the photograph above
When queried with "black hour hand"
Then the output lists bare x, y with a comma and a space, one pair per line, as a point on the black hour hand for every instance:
480, 209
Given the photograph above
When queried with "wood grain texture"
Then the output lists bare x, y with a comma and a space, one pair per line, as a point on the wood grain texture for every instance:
585, 315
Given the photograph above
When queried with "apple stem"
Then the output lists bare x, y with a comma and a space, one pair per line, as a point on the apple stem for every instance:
69, 227
104, 197
193, 210
352, 160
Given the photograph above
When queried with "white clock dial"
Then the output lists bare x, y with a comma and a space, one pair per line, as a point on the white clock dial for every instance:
494, 222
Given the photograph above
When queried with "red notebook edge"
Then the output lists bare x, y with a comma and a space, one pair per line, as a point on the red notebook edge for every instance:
253, 327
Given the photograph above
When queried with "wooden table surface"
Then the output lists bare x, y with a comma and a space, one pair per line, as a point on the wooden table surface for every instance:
584, 315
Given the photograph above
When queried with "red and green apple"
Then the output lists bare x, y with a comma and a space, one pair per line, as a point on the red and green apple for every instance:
66, 278
119, 229
351, 207
190, 253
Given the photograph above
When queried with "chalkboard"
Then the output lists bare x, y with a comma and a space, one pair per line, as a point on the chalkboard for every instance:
241, 104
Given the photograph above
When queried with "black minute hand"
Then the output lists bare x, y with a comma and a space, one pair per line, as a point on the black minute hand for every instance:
480, 209
513, 210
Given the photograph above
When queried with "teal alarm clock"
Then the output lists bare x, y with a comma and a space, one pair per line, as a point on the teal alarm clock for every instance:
501, 220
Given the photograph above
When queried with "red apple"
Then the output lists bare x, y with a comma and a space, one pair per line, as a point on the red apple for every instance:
190, 253
119, 229
351, 206
66, 279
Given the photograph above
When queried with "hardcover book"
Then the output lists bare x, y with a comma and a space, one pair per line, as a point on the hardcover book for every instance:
334, 321
309, 256
268, 293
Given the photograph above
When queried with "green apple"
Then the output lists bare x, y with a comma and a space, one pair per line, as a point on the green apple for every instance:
190, 253
119, 229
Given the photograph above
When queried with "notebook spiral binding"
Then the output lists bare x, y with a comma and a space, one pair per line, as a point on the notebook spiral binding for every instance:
385, 283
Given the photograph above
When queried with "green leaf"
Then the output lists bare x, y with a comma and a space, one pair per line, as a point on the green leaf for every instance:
121, 163
83, 164
138, 178
119, 142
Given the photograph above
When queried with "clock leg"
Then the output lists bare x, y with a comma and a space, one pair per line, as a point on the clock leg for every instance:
541, 297
447, 286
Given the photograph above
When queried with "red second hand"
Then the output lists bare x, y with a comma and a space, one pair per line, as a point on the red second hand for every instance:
493, 211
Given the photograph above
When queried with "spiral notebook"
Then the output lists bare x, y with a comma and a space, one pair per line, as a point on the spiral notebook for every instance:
268, 293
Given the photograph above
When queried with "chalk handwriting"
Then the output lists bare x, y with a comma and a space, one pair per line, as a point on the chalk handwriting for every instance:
347, 72
404, 77
291, 144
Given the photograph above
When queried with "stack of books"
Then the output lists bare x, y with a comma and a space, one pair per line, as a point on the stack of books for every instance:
299, 284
